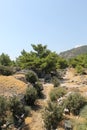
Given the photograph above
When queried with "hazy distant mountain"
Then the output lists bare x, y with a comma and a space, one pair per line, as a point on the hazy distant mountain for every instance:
74, 52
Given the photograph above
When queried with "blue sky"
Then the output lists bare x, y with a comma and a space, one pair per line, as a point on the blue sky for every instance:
59, 24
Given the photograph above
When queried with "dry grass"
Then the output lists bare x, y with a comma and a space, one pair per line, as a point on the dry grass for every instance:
9, 85
28, 120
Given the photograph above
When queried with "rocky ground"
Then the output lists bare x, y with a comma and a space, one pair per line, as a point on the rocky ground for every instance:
74, 82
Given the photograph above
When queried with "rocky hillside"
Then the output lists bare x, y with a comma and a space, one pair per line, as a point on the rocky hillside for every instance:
74, 52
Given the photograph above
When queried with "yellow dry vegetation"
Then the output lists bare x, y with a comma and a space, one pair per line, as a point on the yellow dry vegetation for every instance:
9, 85
28, 120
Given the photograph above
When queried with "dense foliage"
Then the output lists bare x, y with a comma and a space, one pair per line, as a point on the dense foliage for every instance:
79, 63
41, 60
5, 60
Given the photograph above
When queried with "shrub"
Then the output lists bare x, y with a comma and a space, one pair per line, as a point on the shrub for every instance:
27, 110
55, 81
3, 110
16, 106
31, 77
5, 60
75, 102
79, 69
31, 95
52, 115
19, 112
57, 93
3, 106
5, 70
83, 112
38, 86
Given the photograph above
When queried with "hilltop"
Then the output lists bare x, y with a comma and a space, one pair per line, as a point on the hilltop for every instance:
74, 52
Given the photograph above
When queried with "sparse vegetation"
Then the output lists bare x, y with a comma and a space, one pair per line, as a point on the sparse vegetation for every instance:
83, 112
57, 93
69, 54
81, 126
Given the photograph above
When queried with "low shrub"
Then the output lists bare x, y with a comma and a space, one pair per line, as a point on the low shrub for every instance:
5, 70
3, 106
57, 93
55, 81
75, 102
38, 86
31, 95
31, 77
79, 69
52, 115
16, 106
83, 112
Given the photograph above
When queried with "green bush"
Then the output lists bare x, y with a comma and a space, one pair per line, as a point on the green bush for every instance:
31, 95
31, 77
16, 106
52, 115
38, 86
79, 69
5, 60
75, 102
3, 106
57, 93
55, 81
3, 110
19, 111
83, 112
5, 70
27, 110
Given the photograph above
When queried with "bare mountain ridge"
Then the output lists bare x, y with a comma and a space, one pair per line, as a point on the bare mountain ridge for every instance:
74, 52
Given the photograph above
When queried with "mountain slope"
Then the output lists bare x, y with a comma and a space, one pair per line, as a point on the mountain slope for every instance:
74, 52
